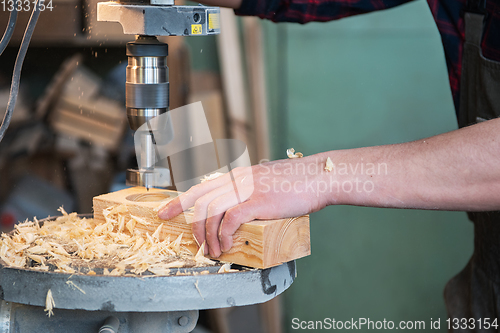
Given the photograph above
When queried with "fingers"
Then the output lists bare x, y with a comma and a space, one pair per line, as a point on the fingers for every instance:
211, 200
201, 205
198, 229
234, 217
188, 199
216, 210
170, 210
219, 228
201, 212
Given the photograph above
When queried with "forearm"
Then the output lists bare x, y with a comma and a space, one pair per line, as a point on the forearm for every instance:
459, 170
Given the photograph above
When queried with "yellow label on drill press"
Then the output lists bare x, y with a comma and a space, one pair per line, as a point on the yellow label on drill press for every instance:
195, 29
213, 21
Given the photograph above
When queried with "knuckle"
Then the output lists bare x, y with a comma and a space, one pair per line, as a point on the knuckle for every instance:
194, 191
230, 216
200, 204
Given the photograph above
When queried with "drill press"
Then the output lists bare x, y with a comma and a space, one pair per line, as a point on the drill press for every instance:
130, 304
147, 86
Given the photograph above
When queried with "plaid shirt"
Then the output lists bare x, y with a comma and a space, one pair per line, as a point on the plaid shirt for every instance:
446, 13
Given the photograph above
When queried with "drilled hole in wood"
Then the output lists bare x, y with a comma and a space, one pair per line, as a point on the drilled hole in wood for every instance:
148, 197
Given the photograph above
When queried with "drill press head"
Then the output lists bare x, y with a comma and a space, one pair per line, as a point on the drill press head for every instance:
147, 86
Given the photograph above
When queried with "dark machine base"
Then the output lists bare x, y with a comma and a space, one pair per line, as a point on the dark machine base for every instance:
15, 317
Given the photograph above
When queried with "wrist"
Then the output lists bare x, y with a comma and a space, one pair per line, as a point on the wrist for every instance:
349, 178
322, 186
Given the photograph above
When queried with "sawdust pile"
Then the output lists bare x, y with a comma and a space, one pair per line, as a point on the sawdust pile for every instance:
70, 244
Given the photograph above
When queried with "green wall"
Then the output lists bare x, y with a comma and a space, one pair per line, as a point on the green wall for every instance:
368, 80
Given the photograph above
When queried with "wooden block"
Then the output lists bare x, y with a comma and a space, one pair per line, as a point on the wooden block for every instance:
259, 243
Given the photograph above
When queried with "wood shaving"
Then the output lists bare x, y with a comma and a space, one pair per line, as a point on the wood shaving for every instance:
70, 244
211, 176
329, 165
292, 154
226, 268
49, 304
74, 286
156, 234
199, 291
159, 270
200, 259
140, 220
130, 226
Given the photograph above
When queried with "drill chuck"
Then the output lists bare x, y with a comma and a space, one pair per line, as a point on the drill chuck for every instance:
147, 87
147, 96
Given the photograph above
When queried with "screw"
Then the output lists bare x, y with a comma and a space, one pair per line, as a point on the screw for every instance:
183, 321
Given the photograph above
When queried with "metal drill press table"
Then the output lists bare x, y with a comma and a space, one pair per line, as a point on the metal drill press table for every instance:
150, 304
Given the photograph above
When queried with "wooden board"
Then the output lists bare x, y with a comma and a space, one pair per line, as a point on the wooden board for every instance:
259, 243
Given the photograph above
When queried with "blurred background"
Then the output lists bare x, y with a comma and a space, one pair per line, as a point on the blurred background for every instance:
368, 80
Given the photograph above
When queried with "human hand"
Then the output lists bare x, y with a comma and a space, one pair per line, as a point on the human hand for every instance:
273, 190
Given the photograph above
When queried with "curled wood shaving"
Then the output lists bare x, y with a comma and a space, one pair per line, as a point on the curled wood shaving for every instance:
200, 258
130, 226
211, 176
176, 245
226, 268
329, 165
61, 209
37, 250
156, 234
292, 154
198, 288
74, 286
37, 258
49, 304
159, 270
175, 264
140, 220
70, 244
